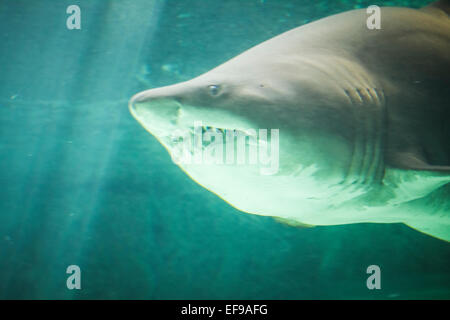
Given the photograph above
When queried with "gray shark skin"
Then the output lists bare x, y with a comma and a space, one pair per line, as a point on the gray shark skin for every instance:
363, 119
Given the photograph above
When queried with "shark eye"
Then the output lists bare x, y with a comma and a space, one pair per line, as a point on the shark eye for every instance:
214, 89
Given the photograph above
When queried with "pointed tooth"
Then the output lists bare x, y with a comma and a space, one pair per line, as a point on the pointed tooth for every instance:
249, 133
262, 143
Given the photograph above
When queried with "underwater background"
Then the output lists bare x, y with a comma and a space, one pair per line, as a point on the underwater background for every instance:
82, 183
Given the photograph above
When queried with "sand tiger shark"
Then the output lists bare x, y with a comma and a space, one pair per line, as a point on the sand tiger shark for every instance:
363, 119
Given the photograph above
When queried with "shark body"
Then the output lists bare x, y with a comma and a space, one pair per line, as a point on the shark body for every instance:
363, 120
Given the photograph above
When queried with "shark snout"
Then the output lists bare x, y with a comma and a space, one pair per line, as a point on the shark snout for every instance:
140, 97
174, 92
157, 110
150, 96
138, 100
163, 102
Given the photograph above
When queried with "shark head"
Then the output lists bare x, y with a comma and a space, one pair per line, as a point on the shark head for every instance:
250, 135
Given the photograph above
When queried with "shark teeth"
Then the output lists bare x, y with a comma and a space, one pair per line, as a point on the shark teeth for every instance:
225, 131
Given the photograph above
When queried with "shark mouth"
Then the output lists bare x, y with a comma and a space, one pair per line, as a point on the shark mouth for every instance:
202, 136
165, 117
210, 145
189, 141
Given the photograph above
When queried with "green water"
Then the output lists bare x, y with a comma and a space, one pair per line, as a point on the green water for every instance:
81, 183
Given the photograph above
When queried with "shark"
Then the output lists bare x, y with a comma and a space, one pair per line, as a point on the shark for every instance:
361, 118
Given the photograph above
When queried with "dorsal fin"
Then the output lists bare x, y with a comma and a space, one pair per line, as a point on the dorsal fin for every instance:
440, 8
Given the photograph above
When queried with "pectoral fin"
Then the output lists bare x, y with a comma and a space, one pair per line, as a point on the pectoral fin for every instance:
405, 185
440, 229
292, 223
414, 161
